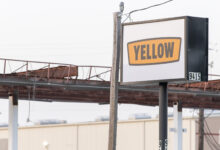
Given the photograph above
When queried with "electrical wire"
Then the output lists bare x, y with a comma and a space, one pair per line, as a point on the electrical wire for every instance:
193, 114
29, 105
29, 102
209, 141
136, 10
95, 72
211, 138
210, 134
82, 72
213, 144
209, 114
9, 66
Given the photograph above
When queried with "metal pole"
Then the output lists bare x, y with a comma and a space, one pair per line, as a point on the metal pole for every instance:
163, 104
201, 129
26, 69
4, 71
114, 83
13, 121
177, 109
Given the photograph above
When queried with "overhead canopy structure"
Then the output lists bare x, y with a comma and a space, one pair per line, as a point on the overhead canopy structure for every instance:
43, 81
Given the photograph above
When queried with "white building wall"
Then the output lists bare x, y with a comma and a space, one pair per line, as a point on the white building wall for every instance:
211, 130
132, 135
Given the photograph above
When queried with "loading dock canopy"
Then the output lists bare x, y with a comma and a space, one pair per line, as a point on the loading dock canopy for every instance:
43, 81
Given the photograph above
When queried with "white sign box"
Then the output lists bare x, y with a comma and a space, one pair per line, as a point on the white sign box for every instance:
159, 50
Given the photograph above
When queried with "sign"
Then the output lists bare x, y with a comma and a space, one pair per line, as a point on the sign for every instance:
154, 51
194, 76
173, 49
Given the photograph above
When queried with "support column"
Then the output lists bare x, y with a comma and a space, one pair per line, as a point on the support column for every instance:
13, 121
177, 109
201, 129
163, 106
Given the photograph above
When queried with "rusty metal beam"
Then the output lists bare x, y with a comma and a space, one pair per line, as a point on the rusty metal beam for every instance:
60, 87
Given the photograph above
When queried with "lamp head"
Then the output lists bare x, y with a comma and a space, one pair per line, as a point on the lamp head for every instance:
121, 6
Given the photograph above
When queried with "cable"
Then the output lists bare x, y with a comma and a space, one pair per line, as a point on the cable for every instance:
29, 105
82, 72
136, 10
210, 136
209, 114
213, 144
29, 102
210, 141
9, 66
216, 143
95, 72
193, 114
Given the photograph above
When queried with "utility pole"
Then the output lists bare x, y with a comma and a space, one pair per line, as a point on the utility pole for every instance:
115, 79
201, 129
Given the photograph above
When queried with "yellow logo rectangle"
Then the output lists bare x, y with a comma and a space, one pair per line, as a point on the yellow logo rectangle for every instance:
154, 51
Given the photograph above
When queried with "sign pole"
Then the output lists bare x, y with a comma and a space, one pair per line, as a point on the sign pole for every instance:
163, 106
114, 83
201, 129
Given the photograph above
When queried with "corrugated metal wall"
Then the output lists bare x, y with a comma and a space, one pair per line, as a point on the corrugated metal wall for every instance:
132, 135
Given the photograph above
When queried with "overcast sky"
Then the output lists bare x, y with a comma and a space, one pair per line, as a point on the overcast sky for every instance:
81, 32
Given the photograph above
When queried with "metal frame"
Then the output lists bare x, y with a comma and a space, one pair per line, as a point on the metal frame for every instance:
95, 86
84, 72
